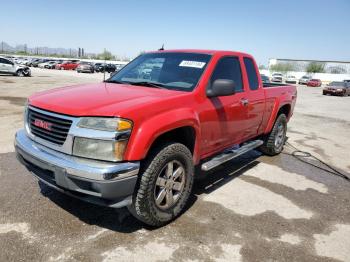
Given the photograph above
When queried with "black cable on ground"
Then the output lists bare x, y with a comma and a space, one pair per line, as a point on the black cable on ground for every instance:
303, 155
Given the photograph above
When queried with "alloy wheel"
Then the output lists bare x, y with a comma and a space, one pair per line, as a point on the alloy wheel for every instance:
169, 185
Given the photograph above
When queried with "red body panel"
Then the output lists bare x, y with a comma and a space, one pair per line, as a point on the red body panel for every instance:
67, 66
314, 83
218, 122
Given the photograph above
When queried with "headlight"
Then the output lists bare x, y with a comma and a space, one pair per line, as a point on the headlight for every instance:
339, 89
105, 124
108, 150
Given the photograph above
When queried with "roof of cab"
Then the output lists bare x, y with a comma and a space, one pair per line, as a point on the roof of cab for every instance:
200, 51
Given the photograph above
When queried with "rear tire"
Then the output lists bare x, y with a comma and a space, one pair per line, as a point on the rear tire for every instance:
164, 185
274, 141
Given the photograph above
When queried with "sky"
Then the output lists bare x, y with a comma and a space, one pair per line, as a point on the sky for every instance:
296, 29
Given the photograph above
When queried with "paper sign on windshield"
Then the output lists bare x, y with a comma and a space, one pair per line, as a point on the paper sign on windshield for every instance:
195, 64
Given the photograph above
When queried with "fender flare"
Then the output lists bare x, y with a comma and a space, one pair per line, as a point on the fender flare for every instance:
273, 117
145, 134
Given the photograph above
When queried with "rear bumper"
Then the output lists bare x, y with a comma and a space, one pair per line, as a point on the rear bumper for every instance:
98, 182
337, 93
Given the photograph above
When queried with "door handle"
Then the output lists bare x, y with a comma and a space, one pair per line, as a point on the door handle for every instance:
244, 101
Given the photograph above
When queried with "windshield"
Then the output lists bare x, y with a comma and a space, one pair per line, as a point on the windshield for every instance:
177, 71
337, 84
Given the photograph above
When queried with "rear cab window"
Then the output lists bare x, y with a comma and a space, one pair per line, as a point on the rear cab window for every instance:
229, 68
251, 73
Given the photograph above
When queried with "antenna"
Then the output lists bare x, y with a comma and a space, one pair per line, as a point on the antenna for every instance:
104, 66
162, 48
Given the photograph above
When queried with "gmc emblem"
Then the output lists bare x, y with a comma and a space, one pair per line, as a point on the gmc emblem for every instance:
42, 124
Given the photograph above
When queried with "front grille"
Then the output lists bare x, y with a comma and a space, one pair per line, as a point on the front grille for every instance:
59, 127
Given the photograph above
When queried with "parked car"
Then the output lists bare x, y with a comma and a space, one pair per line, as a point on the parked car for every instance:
304, 80
101, 67
291, 79
337, 88
264, 78
30, 61
85, 67
53, 64
347, 80
135, 142
22, 61
9, 67
46, 64
277, 77
37, 62
314, 82
67, 65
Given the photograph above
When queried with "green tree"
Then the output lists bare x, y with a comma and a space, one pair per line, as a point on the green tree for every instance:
315, 67
106, 55
21, 53
282, 67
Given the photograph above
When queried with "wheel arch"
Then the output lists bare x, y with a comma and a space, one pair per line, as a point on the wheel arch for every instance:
179, 125
278, 110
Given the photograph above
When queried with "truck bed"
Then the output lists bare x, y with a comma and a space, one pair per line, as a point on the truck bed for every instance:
267, 85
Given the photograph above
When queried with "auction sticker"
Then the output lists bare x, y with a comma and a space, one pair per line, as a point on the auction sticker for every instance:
195, 64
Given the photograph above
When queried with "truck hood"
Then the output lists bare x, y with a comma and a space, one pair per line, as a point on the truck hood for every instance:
101, 99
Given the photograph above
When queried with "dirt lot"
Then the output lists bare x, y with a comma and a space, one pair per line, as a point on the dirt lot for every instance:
255, 208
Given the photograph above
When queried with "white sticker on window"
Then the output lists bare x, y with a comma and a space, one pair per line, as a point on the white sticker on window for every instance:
195, 64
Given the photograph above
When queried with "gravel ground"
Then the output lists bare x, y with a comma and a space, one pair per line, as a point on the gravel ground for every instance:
255, 208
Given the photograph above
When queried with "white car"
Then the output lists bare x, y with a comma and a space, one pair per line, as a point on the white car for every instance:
48, 65
291, 79
43, 65
277, 77
9, 67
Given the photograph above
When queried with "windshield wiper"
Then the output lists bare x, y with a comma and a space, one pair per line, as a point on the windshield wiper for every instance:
149, 84
115, 81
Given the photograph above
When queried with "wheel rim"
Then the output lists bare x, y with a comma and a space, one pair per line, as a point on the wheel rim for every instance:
280, 136
169, 185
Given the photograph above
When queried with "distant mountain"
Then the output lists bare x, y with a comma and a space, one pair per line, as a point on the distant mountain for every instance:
42, 50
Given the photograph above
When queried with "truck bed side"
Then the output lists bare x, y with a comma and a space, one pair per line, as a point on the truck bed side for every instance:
277, 96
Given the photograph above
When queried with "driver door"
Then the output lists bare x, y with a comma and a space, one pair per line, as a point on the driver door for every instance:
223, 117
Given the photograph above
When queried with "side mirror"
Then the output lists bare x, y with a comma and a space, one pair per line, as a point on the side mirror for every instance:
221, 87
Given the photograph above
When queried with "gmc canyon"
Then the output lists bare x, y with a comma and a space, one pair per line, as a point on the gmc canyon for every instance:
135, 139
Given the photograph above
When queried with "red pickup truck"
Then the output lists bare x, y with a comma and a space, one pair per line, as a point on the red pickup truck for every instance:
135, 139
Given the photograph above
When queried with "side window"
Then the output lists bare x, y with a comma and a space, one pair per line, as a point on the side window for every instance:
5, 61
252, 74
229, 68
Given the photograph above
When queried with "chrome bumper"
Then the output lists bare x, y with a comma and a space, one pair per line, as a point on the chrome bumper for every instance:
113, 181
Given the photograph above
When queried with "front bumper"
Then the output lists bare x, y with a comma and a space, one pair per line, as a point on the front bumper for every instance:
98, 182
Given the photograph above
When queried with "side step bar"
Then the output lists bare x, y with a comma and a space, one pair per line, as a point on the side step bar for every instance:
230, 154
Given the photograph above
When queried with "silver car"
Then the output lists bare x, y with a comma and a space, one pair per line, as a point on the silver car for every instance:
304, 80
9, 67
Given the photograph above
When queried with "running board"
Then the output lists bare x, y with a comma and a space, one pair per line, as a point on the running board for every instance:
231, 154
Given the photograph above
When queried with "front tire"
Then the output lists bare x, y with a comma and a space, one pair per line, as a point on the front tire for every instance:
164, 185
274, 142
20, 73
